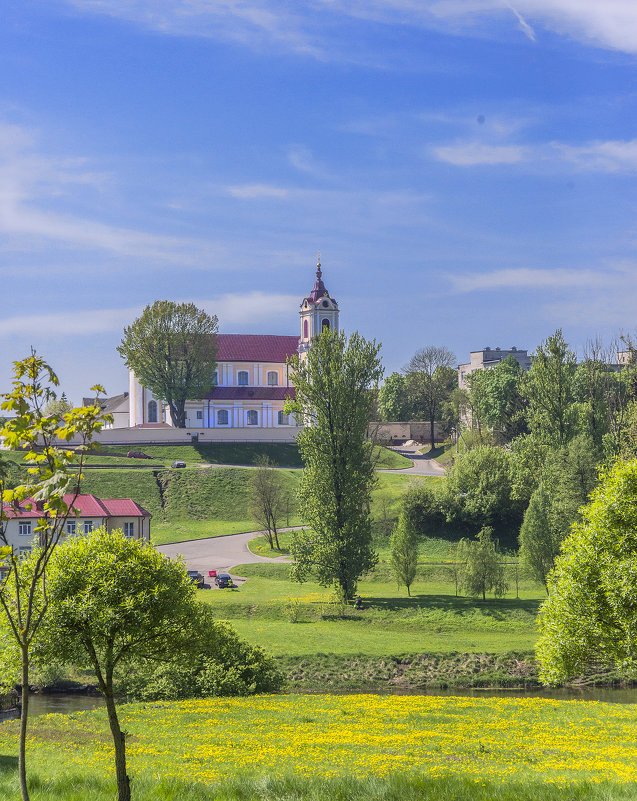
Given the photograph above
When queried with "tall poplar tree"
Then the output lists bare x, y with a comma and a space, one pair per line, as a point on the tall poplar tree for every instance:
334, 399
172, 349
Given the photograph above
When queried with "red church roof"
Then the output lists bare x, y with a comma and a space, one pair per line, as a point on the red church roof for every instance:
87, 506
255, 348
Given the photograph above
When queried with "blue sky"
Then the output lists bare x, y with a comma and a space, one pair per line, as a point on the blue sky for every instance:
466, 168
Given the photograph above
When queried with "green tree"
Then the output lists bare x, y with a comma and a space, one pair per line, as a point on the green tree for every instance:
115, 601
267, 499
431, 380
590, 613
495, 393
393, 399
548, 388
478, 490
334, 400
172, 349
53, 486
483, 569
58, 406
569, 474
404, 553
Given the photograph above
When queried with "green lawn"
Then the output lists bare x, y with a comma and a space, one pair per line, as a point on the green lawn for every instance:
319, 747
291, 619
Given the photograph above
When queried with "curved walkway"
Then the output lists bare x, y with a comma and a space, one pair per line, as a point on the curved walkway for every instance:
218, 553
422, 465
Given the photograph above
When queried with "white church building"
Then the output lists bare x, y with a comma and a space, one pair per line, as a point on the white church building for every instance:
252, 382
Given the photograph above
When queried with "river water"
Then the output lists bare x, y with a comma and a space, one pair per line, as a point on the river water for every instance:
66, 704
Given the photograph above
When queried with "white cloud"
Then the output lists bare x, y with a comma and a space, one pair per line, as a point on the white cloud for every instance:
249, 310
523, 278
611, 156
255, 191
469, 154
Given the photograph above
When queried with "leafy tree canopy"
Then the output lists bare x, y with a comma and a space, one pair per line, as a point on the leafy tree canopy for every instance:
172, 349
393, 400
591, 613
430, 381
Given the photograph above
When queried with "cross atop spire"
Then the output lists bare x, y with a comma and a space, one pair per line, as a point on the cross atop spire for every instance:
318, 290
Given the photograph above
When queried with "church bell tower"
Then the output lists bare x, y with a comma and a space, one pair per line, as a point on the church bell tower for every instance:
319, 311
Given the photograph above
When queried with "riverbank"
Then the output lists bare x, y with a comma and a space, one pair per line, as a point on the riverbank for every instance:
516, 670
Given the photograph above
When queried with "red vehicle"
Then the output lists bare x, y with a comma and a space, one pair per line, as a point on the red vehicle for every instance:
138, 455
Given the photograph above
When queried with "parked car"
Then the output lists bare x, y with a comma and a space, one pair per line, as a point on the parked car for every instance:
138, 455
196, 578
223, 580
178, 464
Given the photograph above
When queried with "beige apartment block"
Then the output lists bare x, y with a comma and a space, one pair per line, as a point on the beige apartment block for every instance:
489, 357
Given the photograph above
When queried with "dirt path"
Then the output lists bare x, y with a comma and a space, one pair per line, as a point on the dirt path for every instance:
421, 465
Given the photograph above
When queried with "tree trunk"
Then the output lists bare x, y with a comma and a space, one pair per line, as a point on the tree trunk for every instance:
276, 539
24, 714
432, 424
119, 741
178, 413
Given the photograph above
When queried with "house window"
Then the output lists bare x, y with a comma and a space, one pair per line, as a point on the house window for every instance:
24, 529
325, 324
129, 530
252, 418
222, 417
199, 414
24, 550
152, 411
305, 329
273, 378
215, 378
88, 526
283, 419
242, 378
71, 527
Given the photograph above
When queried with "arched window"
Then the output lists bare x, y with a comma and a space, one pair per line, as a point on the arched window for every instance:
242, 378
305, 329
273, 378
252, 418
325, 324
152, 411
283, 419
222, 417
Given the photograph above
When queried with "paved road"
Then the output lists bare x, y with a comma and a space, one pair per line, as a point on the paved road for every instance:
421, 465
218, 553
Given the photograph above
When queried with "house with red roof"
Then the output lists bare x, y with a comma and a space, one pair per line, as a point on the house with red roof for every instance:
87, 513
252, 380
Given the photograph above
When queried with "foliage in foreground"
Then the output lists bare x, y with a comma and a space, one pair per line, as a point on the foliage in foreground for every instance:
400, 787
591, 612
208, 659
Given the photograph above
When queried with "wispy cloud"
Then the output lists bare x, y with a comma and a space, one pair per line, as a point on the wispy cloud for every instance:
524, 278
34, 189
234, 310
256, 191
469, 154
611, 156
308, 27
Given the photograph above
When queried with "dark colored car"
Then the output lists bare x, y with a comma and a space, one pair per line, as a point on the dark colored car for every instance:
195, 578
223, 580
178, 464
138, 455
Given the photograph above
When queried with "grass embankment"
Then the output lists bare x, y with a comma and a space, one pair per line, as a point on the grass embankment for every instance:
208, 502
325, 747
281, 454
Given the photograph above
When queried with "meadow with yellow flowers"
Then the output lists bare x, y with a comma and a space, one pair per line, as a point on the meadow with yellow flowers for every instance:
326, 746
